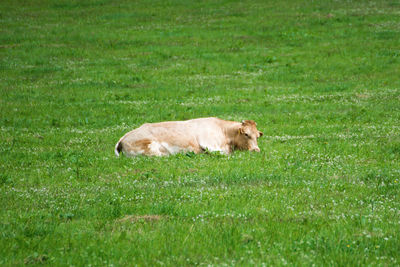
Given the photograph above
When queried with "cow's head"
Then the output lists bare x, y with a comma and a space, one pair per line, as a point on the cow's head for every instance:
247, 136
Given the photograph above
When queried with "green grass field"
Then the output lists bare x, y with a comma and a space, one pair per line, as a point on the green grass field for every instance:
320, 78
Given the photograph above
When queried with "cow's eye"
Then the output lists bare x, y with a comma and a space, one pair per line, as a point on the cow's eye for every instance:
247, 135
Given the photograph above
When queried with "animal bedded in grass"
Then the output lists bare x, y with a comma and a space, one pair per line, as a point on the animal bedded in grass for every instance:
196, 135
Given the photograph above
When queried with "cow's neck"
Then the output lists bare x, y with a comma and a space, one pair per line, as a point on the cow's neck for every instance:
232, 134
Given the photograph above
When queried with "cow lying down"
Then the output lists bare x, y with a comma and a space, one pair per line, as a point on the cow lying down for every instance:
197, 135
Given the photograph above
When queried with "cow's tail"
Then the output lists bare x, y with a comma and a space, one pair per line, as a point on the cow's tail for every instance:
118, 148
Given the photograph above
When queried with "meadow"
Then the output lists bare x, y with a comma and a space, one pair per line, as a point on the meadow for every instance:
320, 78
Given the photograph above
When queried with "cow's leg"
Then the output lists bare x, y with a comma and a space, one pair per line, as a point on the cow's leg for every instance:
144, 147
130, 150
156, 148
212, 148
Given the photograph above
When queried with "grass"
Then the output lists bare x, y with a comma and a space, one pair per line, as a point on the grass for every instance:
321, 79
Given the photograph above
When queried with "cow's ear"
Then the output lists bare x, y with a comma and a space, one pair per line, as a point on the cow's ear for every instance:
261, 133
240, 130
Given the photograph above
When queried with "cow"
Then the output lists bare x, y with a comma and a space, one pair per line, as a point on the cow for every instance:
196, 135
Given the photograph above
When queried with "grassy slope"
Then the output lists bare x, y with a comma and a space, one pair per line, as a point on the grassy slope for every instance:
321, 79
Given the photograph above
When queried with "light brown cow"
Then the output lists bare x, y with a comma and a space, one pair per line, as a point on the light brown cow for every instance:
197, 135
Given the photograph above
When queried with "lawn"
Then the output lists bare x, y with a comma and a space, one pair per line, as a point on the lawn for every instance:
320, 78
